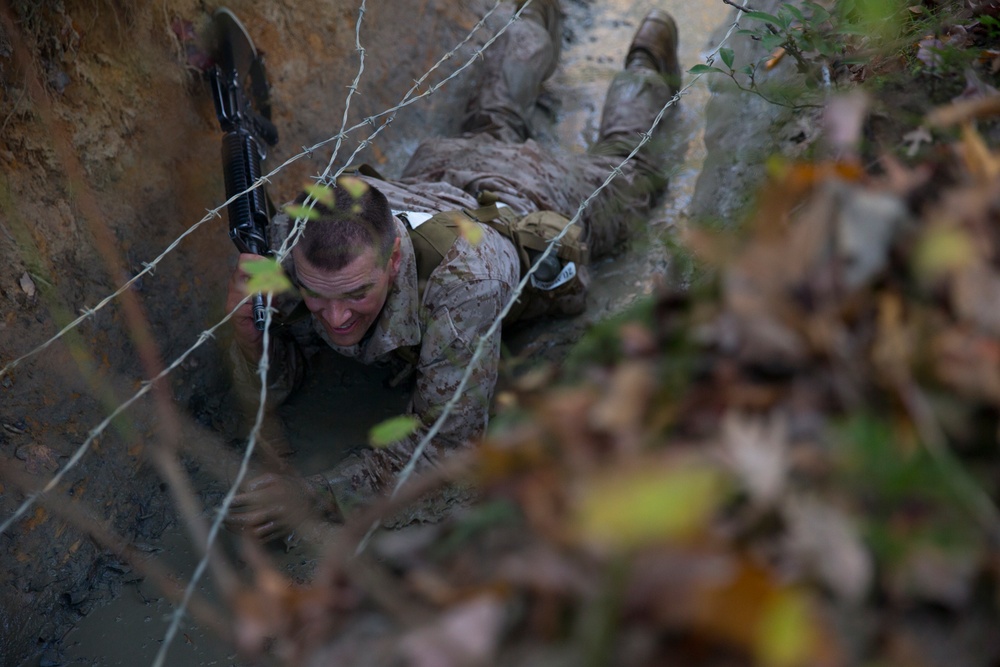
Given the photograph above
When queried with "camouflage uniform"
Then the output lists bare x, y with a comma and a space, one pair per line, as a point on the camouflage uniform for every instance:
466, 293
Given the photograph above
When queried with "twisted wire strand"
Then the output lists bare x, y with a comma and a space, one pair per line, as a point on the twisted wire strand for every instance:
262, 370
223, 510
150, 267
209, 333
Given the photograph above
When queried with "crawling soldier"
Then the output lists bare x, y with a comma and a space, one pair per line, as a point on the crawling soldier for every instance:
385, 276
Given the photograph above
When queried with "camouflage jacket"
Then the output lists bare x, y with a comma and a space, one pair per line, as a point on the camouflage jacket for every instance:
461, 300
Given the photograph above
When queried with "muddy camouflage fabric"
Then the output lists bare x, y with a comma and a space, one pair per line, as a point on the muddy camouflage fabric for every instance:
466, 293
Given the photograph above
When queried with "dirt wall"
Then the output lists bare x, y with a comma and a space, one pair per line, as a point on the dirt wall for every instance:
109, 150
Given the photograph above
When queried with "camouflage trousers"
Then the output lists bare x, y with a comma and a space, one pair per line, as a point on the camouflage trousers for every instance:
495, 152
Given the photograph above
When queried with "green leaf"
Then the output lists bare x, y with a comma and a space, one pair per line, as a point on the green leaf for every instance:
794, 11
943, 250
650, 505
321, 193
765, 17
392, 430
787, 633
354, 186
266, 275
300, 211
727, 56
704, 69
470, 230
819, 14
771, 42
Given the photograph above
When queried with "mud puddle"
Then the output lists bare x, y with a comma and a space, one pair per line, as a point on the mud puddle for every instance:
342, 400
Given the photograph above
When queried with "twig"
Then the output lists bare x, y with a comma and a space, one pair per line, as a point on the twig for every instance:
13, 109
756, 91
742, 8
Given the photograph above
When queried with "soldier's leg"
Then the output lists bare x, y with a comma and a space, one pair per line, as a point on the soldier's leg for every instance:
516, 65
636, 96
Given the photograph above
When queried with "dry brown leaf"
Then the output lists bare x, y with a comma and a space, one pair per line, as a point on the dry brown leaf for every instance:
756, 449
932, 574
893, 348
979, 160
968, 363
963, 111
775, 58
465, 635
623, 406
843, 120
823, 543
975, 295
27, 284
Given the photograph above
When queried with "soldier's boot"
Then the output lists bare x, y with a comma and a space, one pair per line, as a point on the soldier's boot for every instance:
550, 15
654, 46
638, 95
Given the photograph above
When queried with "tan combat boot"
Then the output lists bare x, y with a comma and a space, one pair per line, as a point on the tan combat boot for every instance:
655, 46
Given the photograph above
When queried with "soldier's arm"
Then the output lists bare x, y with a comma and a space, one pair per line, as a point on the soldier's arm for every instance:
447, 351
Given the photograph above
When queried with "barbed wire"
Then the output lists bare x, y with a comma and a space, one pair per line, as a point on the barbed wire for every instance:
262, 370
477, 354
209, 333
150, 267
223, 510
286, 247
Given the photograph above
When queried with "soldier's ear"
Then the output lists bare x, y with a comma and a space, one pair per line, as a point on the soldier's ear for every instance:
395, 258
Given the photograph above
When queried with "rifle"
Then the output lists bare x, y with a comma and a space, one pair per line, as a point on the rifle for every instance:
239, 70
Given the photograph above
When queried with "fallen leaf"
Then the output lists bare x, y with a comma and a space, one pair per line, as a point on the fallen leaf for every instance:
963, 110
843, 119
943, 249
825, 544
466, 634
653, 504
392, 430
27, 284
757, 451
916, 138
621, 409
786, 636
979, 160
933, 574
975, 294
775, 58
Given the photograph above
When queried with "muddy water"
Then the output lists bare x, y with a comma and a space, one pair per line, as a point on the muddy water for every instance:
130, 630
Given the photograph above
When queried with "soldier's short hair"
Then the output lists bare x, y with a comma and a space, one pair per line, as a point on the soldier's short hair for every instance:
360, 218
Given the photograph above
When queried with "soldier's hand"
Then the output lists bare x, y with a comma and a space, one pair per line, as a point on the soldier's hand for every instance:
271, 506
247, 336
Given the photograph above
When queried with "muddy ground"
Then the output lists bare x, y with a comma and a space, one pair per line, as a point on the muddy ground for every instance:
109, 150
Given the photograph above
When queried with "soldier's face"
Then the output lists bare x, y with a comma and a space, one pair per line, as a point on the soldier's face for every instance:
347, 302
